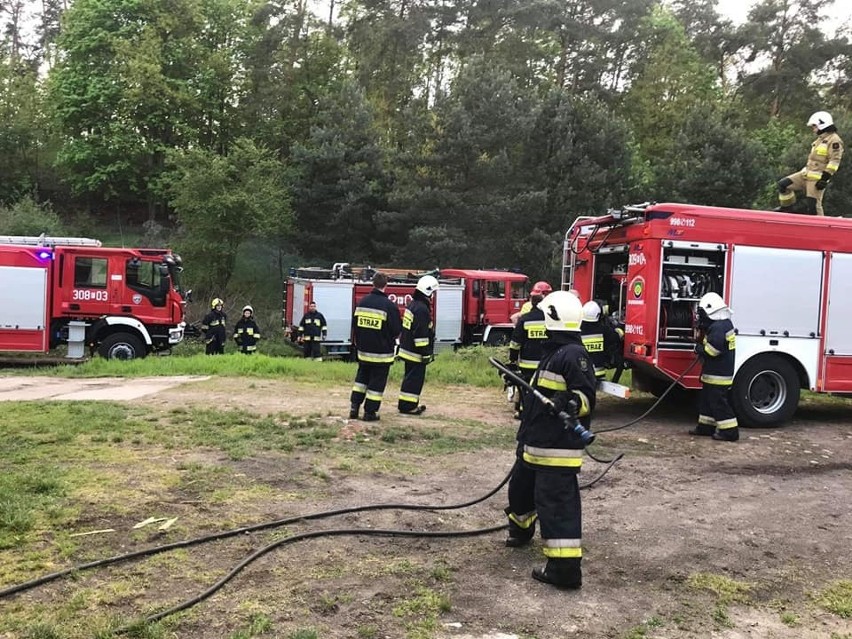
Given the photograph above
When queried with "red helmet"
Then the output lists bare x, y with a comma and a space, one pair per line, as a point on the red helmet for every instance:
541, 288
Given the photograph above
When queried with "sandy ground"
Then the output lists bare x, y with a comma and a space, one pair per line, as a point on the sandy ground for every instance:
771, 511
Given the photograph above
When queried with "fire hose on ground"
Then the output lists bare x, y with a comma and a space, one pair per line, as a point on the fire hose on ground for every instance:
569, 420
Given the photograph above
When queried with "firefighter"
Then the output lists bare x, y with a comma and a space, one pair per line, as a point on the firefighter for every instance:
213, 327
527, 340
544, 483
246, 331
716, 345
375, 327
600, 338
539, 288
312, 332
416, 345
822, 164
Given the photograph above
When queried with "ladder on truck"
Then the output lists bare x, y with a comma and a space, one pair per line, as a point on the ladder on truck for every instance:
47, 240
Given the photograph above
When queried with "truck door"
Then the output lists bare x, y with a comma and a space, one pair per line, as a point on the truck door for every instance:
83, 285
495, 301
838, 337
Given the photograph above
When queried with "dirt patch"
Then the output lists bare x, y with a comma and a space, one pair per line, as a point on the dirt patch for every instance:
770, 512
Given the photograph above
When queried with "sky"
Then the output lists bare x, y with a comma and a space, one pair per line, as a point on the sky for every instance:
737, 11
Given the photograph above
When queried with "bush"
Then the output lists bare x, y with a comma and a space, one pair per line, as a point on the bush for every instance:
28, 217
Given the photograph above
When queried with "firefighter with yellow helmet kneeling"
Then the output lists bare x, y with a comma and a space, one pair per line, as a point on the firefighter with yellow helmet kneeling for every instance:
527, 340
716, 347
416, 345
544, 484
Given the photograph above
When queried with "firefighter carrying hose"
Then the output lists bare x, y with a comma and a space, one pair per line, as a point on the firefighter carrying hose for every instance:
716, 346
416, 345
823, 162
213, 327
527, 339
375, 327
544, 483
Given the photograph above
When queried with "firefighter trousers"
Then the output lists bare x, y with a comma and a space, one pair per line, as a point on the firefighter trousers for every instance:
369, 387
412, 384
553, 497
715, 413
312, 349
800, 182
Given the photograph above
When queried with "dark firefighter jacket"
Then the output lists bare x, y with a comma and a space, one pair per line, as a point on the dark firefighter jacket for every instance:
718, 351
418, 337
527, 340
213, 325
602, 342
565, 374
375, 326
246, 334
312, 327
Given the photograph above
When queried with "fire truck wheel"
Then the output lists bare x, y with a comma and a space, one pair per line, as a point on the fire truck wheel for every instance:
121, 346
765, 392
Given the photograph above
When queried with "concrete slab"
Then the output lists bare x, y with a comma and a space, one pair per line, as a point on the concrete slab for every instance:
92, 389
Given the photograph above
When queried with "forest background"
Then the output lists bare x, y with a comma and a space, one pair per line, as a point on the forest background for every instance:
253, 136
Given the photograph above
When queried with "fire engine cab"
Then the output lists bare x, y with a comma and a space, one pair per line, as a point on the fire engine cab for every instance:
471, 306
786, 278
126, 303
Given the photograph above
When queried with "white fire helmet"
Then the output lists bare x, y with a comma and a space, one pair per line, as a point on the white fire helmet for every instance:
562, 311
591, 312
427, 285
714, 306
247, 307
822, 120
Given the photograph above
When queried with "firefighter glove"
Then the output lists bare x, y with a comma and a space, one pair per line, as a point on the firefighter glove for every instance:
699, 348
513, 366
783, 184
428, 359
823, 181
565, 403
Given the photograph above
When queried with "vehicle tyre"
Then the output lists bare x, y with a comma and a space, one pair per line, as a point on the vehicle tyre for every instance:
498, 338
765, 392
122, 346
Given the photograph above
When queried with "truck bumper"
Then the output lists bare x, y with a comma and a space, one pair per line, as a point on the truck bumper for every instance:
176, 333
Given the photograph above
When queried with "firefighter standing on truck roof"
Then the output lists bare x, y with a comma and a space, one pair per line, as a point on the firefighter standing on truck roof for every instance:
544, 483
375, 327
823, 162
312, 332
599, 337
716, 347
213, 327
527, 340
246, 331
416, 345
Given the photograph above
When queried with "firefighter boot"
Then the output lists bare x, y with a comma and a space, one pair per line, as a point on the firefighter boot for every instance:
371, 417
703, 430
810, 206
353, 412
727, 435
562, 573
417, 410
784, 209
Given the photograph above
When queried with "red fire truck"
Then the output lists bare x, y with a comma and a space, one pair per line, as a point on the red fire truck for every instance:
125, 303
470, 307
786, 277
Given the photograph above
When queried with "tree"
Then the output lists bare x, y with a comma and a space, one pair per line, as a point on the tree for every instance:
221, 201
717, 163
669, 81
785, 41
342, 181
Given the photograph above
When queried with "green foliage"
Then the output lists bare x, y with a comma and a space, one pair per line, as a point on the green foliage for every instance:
727, 590
28, 217
669, 81
221, 201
